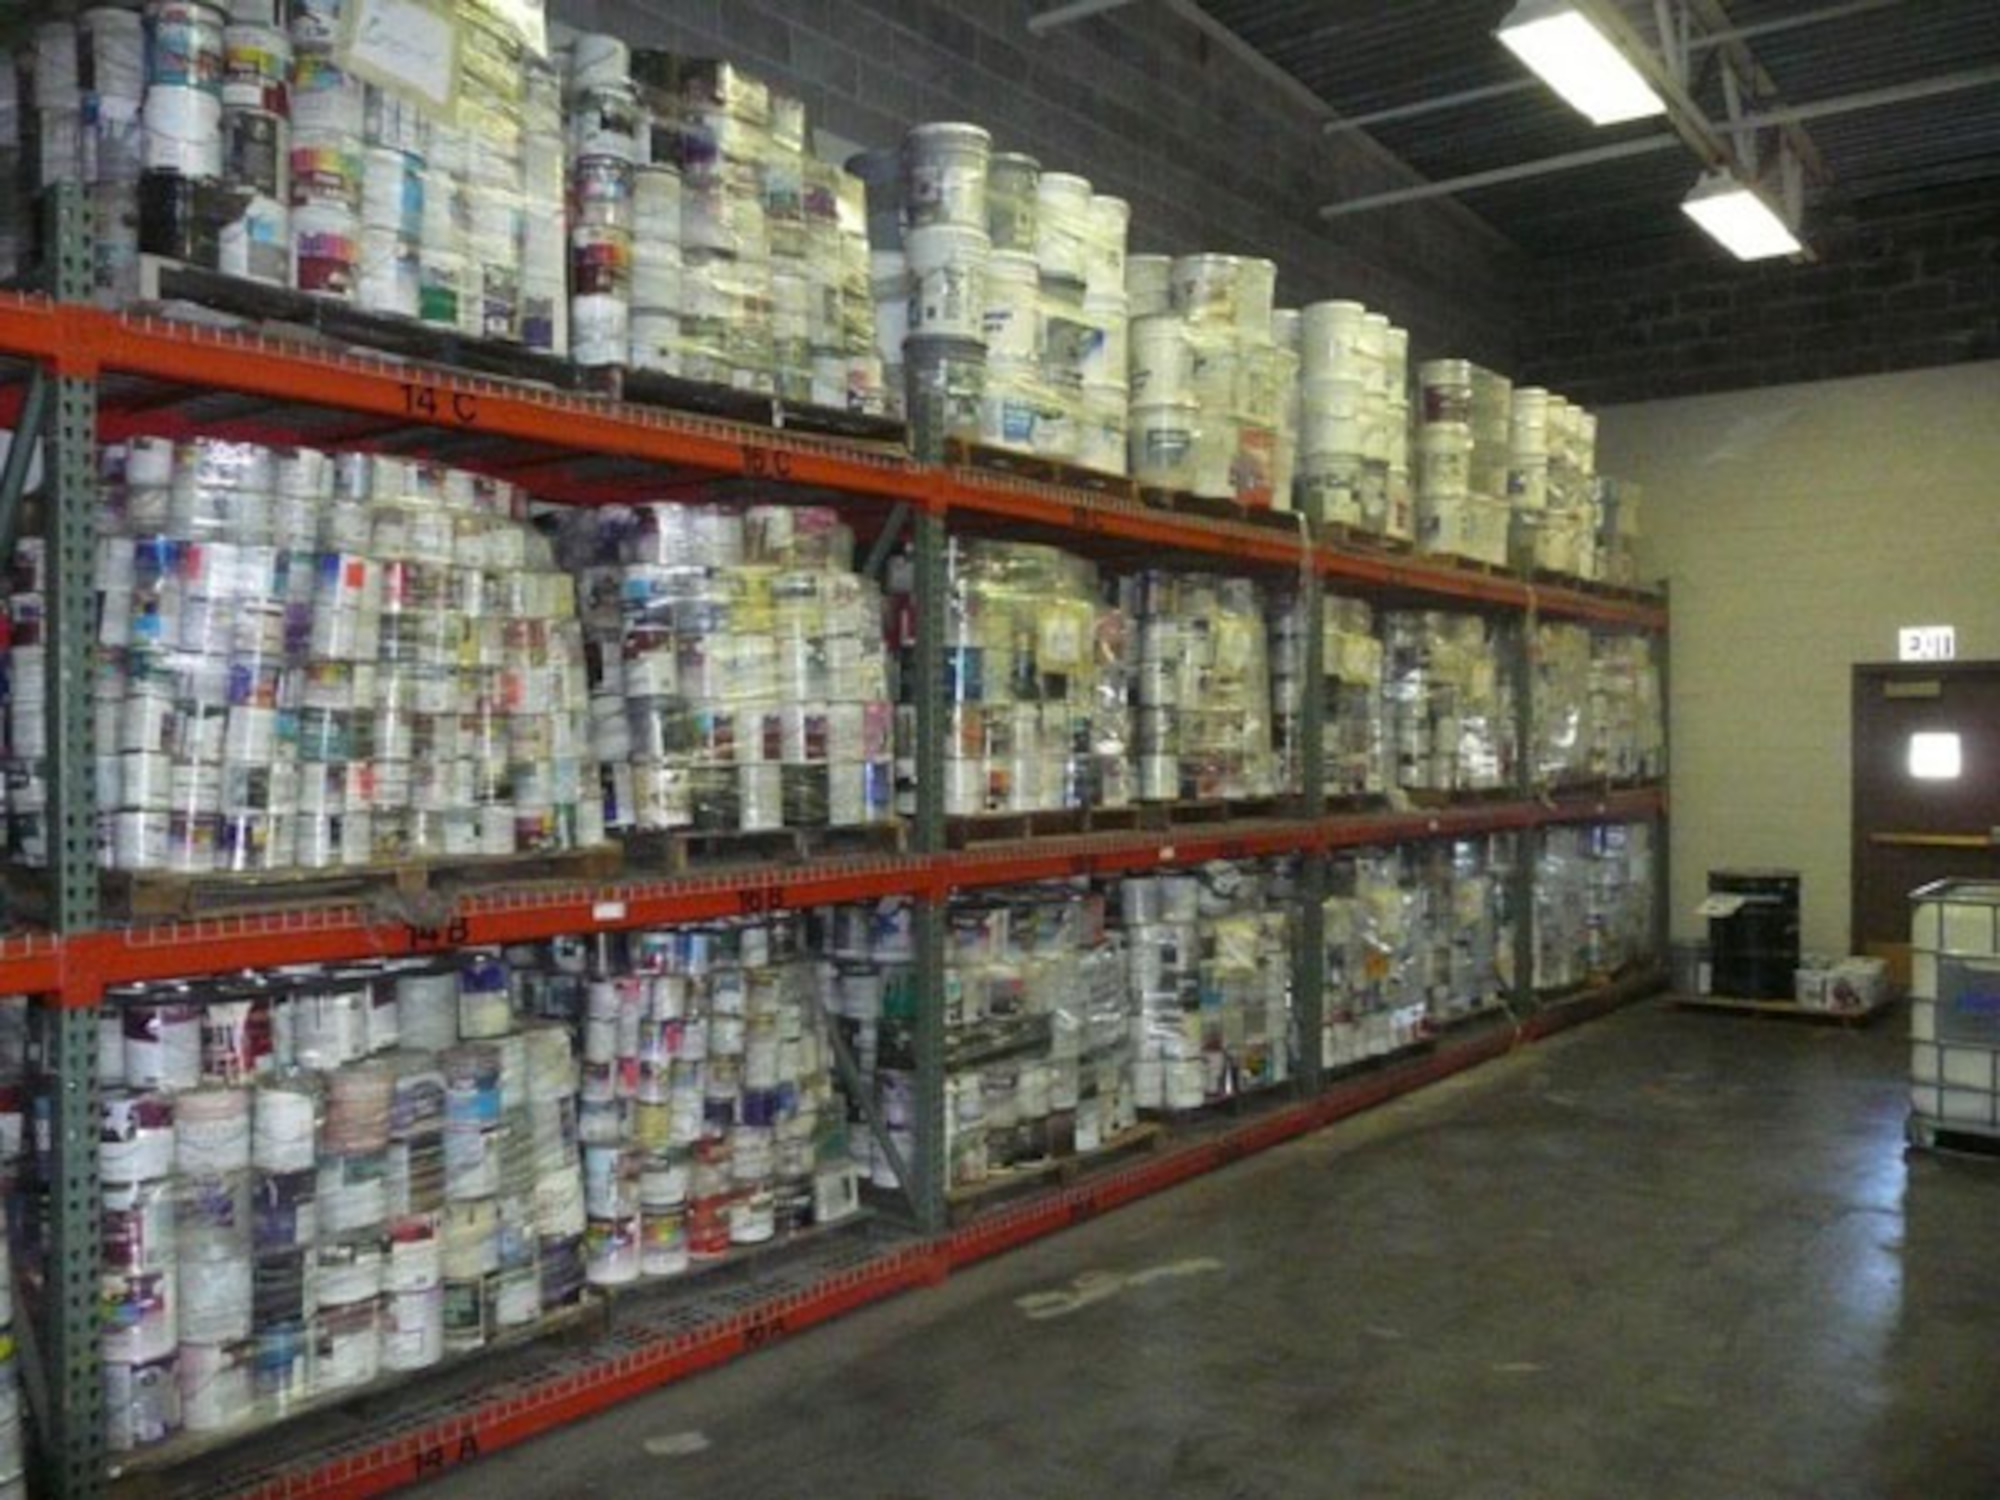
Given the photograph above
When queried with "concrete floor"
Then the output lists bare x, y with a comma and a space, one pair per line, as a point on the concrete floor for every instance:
1669, 1255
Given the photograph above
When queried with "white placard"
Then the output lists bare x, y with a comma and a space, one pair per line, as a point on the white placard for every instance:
407, 45
1926, 643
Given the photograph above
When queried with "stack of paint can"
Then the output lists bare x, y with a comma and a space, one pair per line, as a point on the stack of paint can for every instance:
866, 977
1209, 982
1034, 981
315, 661
1593, 903
1551, 482
610, 135
24, 770
1037, 669
714, 122
1373, 1003
490, 144
1449, 707
1597, 705
707, 1107
299, 1199
1416, 937
738, 675
330, 163
1018, 408
1201, 687
255, 240
946, 249
1464, 442
545, 244
1354, 746
1354, 419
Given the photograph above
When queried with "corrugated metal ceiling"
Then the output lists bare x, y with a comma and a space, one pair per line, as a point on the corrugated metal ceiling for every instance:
1367, 55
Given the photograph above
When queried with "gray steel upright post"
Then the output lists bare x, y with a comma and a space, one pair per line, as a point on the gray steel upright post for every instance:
927, 662
1309, 915
1527, 841
73, 1350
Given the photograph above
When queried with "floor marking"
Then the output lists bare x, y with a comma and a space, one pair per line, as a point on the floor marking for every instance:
676, 1444
1095, 1286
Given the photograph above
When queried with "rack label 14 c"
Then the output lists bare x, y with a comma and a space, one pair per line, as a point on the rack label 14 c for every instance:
436, 403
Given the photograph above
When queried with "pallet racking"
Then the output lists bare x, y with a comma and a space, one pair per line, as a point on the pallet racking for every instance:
77, 375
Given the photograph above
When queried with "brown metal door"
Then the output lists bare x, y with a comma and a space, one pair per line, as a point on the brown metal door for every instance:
1926, 791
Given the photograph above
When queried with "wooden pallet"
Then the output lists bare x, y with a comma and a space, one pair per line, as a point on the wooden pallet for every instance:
973, 830
650, 388
1038, 468
1433, 801
1357, 539
414, 890
683, 851
1161, 816
282, 313
1018, 1181
1181, 503
1784, 1010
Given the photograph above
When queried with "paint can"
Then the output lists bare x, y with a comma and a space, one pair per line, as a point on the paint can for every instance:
139, 1228
1063, 226
163, 1045
1013, 182
212, 1130
215, 1384
139, 1312
412, 1328
349, 1345
1109, 221
1011, 322
137, 1142
611, 1250
1164, 443
1102, 427
180, 217
142, 1402
326, 249
944, 176
1161, 360
947, 264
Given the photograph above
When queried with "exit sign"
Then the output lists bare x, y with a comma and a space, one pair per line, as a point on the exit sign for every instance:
1926, 643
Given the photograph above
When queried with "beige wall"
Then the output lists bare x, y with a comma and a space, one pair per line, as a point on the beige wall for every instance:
1798, 527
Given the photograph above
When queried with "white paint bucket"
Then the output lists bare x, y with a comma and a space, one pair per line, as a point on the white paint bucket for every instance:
944, 176
1149, 284
1102, 426
1207, 289
1062, 225
1011, 323
1104, 253
1374, 351
215, 1385
1330, 340
1012, 183
1331, 417
1161, 359
947, 275
1256, 291
1105, 359
1445, 451
1163, 440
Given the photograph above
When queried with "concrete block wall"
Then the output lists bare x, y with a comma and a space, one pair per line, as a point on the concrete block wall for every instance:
1211, 156
1900, 285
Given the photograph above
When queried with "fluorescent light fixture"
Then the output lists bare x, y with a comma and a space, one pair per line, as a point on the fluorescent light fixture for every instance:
1740, 218
1578, 61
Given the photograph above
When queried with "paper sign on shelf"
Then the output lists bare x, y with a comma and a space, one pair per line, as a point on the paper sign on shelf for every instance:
1721, 906
409, 46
